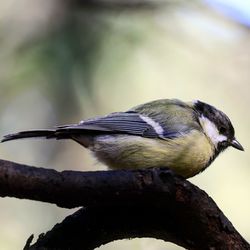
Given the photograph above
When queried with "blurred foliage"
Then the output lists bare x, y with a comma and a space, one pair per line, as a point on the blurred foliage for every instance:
63, 61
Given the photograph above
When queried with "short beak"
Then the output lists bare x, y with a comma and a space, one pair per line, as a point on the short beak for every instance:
234, 143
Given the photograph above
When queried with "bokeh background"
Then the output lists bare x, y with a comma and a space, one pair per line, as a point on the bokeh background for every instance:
63, 61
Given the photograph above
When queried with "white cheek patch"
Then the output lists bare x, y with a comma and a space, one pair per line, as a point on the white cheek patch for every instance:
211, 130
155, 125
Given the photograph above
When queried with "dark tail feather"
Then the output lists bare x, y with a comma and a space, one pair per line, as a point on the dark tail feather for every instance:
32, 133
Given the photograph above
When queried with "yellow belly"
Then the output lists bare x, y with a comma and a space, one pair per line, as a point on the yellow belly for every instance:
187, 155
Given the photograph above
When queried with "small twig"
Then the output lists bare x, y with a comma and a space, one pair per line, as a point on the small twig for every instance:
28, 242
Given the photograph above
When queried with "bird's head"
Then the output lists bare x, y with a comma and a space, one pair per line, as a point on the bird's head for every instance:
217, 126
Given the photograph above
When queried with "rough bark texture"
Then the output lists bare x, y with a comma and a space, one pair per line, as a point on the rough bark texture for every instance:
122, 204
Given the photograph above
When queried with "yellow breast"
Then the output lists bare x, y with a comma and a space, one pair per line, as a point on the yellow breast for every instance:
187, 155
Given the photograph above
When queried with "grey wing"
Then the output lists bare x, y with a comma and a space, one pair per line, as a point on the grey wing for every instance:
116, 123
130, 122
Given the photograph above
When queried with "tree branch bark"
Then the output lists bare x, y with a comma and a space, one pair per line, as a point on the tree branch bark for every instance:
122, 204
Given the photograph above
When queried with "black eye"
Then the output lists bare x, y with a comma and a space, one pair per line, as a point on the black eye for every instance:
222, 130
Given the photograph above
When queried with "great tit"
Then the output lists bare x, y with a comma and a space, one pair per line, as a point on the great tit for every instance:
183, 136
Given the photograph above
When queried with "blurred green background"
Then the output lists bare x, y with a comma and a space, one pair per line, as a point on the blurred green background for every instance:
63, 61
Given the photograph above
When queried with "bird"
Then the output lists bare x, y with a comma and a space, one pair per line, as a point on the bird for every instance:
183, 136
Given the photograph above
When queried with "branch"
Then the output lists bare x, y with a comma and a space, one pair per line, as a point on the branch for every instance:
122, 204
122, 4
92, 227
